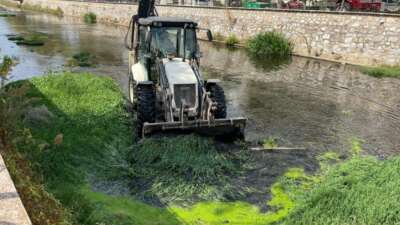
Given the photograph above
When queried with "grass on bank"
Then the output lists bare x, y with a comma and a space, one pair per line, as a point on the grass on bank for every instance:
270, 45
82, 123
90, 18
382, 71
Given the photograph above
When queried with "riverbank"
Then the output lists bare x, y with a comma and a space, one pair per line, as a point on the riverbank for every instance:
76, 138
356, 38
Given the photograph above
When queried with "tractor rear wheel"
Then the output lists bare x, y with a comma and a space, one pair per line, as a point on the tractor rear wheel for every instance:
217, 95
146, 106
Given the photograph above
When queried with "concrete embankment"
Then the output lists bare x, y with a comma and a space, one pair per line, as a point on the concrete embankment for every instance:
12, 211
358, 38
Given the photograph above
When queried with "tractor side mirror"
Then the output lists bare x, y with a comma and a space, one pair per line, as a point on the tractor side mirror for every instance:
209, 35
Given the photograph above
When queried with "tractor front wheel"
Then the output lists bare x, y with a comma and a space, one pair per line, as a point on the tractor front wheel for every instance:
217, 95
146, 106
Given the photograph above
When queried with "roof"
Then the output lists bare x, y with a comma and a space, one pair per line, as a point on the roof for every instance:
166, 21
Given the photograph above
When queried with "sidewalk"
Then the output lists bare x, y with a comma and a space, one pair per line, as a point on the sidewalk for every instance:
12, 211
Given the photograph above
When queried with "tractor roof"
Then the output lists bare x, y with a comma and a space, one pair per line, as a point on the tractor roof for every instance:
166, 21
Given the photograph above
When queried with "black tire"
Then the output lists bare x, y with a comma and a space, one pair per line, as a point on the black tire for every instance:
217, 95
146, 106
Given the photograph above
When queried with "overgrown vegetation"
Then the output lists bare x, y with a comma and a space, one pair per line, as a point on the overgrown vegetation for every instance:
382, 71
71, 127
43, 208
183, 169
359, 191
74, 127
7, 14
82, 59
5, 66
33, 39
270, 143
90, 18
69, 135
231, 40
270, 44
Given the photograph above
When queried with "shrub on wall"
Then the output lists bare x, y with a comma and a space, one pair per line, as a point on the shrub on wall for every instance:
231, 40
90, 18
270, 44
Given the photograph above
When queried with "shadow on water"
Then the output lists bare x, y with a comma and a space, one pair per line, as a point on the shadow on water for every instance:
269, 64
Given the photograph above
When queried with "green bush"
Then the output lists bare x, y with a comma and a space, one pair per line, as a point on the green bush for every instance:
382, 71
5, 66
270, 44
231, 40
90, 18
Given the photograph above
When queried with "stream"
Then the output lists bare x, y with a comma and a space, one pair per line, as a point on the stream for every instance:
303, 102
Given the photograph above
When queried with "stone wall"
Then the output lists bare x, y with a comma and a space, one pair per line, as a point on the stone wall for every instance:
358, 38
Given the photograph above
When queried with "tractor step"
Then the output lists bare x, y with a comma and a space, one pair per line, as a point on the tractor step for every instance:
217, 127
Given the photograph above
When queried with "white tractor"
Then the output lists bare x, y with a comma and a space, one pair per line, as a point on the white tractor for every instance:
165, 83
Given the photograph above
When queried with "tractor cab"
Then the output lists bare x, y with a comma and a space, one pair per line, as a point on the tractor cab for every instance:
167, 38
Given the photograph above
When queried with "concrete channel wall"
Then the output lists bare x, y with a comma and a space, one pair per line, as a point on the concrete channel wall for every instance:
12, 212
358, 38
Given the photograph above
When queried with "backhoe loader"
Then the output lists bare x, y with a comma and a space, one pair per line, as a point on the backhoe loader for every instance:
166, 86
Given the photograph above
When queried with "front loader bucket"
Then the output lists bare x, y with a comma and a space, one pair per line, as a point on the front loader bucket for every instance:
232, 128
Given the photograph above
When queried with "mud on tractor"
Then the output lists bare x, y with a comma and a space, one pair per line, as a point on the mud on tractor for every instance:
165, 83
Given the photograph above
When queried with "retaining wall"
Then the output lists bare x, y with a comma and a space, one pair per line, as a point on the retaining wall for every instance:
12, 211
358, 38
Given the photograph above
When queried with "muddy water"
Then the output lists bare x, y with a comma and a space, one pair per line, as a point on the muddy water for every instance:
302, 102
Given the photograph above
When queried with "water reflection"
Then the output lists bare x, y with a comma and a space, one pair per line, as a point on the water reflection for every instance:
304, 102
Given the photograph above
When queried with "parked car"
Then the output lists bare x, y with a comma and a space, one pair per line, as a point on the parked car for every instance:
392, 6
359, 5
